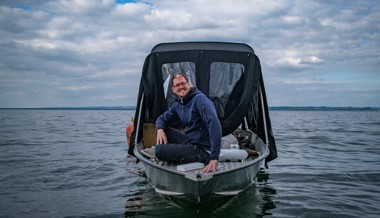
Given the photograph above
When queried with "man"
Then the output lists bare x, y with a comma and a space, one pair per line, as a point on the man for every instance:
202, 130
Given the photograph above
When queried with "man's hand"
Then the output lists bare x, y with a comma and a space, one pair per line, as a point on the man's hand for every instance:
161, 137
210, 166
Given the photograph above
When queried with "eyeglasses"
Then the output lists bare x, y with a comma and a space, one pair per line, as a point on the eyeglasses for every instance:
179, 84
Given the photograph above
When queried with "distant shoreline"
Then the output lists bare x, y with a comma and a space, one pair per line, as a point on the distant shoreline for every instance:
284, 108
324, 108
76, 108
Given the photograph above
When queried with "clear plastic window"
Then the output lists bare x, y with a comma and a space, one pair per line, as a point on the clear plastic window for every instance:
223, 79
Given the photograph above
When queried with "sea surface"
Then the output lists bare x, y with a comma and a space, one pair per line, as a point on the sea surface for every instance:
74, 163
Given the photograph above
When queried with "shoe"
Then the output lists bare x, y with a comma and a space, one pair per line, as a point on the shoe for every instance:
149, 152
251, 152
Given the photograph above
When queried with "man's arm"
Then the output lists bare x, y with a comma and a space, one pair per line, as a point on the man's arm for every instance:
167, 117
211, 120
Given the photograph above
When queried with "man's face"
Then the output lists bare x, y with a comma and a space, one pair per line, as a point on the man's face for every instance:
180, 86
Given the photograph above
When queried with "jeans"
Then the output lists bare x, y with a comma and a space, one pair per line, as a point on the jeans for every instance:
179, 150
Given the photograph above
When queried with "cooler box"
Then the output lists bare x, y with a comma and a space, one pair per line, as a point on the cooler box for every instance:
149, 135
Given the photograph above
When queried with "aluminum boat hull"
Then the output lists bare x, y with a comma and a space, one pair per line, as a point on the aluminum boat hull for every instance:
230, 178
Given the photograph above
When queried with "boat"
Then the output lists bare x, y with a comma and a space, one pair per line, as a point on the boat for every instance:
229, 73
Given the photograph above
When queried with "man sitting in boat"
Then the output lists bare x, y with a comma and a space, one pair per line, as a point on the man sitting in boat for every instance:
202, 135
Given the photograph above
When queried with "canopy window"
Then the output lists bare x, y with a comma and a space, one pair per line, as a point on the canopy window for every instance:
223, 78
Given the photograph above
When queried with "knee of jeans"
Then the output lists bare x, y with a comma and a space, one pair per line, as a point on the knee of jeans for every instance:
158, 150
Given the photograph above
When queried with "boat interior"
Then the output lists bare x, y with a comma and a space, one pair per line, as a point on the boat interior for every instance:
240, 149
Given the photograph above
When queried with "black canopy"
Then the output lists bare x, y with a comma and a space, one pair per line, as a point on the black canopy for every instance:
228, 73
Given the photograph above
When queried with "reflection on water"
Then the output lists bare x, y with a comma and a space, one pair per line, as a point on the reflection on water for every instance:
255, 201
133, 205
267, 193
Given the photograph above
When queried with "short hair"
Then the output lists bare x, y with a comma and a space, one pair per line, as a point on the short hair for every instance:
179, 74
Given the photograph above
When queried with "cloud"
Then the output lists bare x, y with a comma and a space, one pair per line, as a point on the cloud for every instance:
296, 63
85, 53
80, 7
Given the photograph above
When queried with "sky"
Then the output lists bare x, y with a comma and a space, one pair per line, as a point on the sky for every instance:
76, 53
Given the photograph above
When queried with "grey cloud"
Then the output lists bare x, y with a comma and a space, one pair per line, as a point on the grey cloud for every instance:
91, 52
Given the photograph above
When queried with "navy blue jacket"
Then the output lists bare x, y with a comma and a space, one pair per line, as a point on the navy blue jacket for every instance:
201, 124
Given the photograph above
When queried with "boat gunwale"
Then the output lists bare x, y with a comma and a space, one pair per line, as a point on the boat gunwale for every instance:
243, 166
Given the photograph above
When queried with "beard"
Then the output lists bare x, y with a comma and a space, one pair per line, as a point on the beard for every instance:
182, 92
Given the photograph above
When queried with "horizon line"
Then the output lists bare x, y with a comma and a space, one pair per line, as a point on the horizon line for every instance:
134, 108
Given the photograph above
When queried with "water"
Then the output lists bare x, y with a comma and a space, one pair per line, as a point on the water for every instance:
73, 163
